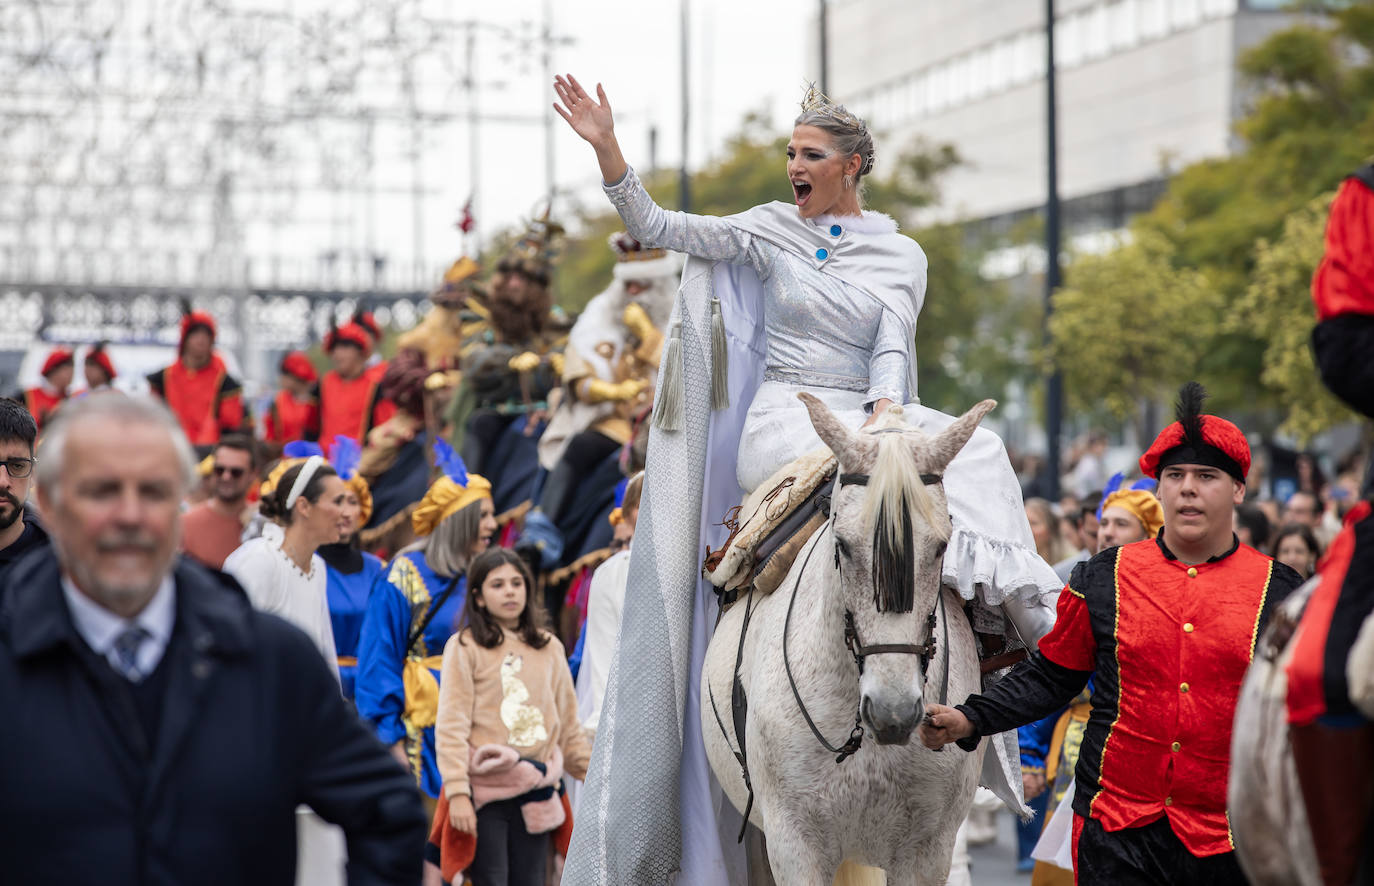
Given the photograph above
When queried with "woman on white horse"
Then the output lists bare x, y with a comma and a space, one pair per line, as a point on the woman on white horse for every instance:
820, 297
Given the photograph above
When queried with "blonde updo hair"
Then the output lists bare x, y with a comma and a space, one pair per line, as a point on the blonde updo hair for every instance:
850, 136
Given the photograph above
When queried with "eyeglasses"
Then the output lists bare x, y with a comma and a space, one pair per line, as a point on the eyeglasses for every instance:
235, 473
19, 467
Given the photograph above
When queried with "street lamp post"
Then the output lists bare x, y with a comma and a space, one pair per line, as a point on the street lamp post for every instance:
1054, 392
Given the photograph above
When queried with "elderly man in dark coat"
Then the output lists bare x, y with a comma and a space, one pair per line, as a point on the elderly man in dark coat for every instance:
157, 729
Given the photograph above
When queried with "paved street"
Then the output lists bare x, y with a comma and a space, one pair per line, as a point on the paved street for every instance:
994, 864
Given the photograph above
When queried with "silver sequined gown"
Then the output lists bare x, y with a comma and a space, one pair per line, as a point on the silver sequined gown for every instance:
823, 335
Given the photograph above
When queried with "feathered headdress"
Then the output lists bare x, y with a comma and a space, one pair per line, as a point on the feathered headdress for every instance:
1139, 500
1144, 484
453, 491
534, 253
618, 510
1198, 439
345, 455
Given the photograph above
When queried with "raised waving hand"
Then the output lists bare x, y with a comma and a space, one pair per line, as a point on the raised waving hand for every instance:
591, 119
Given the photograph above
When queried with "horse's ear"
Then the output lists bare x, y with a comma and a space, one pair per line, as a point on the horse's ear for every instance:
948, 442
830, 429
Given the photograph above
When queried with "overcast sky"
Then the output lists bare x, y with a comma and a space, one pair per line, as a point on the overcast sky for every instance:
745, 56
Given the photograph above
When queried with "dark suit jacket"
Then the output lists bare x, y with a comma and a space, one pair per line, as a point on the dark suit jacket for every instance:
252, 724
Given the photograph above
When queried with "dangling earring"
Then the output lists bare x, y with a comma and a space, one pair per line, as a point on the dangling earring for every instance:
848, 182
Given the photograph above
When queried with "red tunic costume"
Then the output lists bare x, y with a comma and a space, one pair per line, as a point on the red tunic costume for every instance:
351, 407
291, 419
208, 401
1167, 645
42, 402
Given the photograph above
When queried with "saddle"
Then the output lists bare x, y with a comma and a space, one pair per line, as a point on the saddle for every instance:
770, 528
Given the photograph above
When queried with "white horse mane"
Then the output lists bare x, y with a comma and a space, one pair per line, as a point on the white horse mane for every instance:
895, 485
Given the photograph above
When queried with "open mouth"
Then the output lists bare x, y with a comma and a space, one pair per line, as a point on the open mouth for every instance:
801, 190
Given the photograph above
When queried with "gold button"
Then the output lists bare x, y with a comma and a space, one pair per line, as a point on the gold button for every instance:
1168, 801
1177, 747
1192, 572
1187, 627
1183, 687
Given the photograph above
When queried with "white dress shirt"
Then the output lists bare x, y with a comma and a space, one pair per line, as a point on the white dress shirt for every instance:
100, 627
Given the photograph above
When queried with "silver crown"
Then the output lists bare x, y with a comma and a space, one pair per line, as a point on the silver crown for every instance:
818, 102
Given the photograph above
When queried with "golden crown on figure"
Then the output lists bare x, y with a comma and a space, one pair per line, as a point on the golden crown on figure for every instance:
534, 253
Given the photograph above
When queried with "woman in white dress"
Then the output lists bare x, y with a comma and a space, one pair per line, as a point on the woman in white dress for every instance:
283, 575
818, 296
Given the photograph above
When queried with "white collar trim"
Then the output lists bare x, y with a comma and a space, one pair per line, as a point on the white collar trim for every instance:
869, 223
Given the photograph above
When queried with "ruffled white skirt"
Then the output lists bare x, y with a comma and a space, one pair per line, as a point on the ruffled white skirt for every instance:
991, 554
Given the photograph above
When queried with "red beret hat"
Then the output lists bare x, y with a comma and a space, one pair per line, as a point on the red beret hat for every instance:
350, 333
1197, 439
193, 319
57, 357
298, 364
98, 356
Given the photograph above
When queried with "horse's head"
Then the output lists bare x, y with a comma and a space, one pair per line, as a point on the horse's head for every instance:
891, 525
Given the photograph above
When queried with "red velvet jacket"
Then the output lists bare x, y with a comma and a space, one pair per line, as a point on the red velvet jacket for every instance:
290, 419
41, 404
351, 407
208, 401
1169, 644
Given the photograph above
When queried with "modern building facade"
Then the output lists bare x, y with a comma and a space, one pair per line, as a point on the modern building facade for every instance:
1144, 87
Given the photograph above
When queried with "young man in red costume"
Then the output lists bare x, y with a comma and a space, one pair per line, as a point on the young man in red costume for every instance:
295, 412
43, 401
1330, 731
1168, 627
198, 388
98, 369
351, 403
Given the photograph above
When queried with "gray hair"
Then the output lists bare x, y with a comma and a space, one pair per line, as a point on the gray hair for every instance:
449, 547
849, 133
109, 405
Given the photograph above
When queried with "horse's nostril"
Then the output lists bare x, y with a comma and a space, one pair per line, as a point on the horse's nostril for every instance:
866, 710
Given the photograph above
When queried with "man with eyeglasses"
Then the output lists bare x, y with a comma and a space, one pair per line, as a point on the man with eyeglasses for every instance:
214, 528
20, 531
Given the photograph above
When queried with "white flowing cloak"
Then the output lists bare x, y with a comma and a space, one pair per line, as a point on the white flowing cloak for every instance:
651, 812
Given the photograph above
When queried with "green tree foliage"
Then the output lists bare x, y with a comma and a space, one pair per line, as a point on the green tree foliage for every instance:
1277, 309
1128, 325
1309, 122
969, 338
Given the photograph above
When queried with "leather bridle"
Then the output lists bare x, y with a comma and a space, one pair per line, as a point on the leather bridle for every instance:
853, 642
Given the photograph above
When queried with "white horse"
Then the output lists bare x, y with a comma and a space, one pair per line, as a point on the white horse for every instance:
868, 581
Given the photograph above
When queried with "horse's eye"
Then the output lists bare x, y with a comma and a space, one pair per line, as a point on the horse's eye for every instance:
940, 549
843, 547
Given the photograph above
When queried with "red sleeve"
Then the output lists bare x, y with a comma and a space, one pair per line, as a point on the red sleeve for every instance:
1344, 282
270, 433
231, 412
383, 411
1070, 644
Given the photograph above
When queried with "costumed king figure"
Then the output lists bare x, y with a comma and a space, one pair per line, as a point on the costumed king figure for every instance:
508, 366
609, 369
